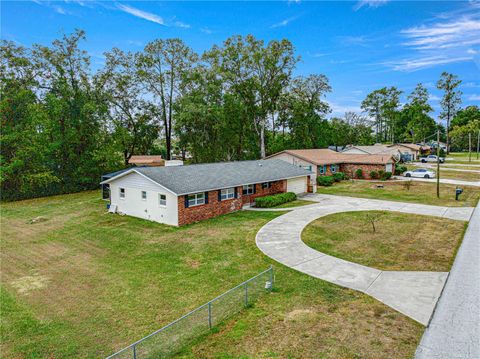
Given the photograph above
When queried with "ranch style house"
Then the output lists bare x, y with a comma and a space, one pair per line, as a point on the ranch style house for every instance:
180, 195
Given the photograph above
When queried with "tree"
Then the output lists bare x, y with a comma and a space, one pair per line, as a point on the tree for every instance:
418, 125
451, 99
135, 124
258, 74
162, 67
466, 115
460, 134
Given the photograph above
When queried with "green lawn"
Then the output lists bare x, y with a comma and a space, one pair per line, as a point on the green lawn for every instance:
419, 192
296, 203
78, 282
400, 241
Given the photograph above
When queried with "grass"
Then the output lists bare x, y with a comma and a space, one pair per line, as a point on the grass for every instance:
296, 203
401, 241
472, 167
78, 282
419, 192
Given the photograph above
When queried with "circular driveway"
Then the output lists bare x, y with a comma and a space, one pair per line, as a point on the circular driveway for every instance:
413, 293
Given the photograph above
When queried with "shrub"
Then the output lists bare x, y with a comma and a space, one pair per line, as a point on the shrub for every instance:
373, 174
399, 169
359, 173
339, 176
325, 180
275, 200
385, 175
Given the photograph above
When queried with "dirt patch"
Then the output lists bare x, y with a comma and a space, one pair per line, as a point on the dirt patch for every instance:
193, 263
26, 284
298, 314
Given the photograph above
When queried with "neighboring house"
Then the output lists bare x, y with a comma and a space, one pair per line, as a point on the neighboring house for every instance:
408, 151
377, 149
146, 161
327, 162
181, 195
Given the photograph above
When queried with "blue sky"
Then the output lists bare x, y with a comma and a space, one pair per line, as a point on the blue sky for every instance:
360, 46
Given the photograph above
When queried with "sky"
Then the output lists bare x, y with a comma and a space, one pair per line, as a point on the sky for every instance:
360, 45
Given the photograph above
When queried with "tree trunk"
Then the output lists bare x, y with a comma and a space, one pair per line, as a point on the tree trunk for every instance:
262, 140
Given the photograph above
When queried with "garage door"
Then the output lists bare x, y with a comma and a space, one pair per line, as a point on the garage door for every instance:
297, 185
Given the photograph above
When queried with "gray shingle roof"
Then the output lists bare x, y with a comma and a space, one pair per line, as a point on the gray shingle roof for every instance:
211, 176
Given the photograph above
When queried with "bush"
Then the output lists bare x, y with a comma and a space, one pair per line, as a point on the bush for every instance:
384, 176
275, 200
399, 169
373, 174
325, 180
339, 176
359, 173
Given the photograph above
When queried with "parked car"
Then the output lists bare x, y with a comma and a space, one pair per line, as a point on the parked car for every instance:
431, 158
420, 173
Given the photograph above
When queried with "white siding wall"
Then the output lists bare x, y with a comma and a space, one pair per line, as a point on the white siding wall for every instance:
134, 205
297, 185
299, 162
354, 151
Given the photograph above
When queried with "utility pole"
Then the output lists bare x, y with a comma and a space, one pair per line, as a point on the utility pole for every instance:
469, 147
478, 143
438, 163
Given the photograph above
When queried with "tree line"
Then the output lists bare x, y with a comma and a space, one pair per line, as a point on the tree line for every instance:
63, 125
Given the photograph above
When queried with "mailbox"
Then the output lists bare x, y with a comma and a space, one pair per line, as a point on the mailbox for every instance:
458, 192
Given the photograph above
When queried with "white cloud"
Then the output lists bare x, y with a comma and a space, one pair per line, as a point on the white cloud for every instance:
141, 14
434, 98
181, 25
474, 97
339, 110
206, 30
414, 64
369, 3
284, 22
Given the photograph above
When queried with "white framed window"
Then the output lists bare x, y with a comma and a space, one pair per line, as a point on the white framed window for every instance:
266, 185
308, 168
333, 168
196, 199
162, 199
144, 195
227, 193
122, 192
322, 169
248, 189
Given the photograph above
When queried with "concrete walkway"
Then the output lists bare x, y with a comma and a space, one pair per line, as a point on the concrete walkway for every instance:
442, 180
411, 293
454, 331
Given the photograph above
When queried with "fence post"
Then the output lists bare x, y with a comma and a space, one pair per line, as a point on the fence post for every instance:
271, 279
210, 315
134, 352
246, 294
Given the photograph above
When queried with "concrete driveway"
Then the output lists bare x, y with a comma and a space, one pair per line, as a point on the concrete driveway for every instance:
411, 293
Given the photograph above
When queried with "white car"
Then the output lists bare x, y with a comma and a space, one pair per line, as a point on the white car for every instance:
432, 158
420, 173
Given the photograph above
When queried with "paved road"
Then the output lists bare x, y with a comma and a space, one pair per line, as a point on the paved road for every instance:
454, 331
411, 293
442, 180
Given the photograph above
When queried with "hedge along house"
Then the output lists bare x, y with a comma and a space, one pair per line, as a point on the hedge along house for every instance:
186, 194
325, 162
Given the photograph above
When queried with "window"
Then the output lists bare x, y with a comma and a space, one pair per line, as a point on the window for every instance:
266, 185
162, 200
322, 170
308, 168
248, 189
144, 195
196, 199
333, 168
227, 193
122, 192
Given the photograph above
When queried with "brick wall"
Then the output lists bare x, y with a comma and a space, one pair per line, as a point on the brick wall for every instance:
350, 169
214, 207
277, 187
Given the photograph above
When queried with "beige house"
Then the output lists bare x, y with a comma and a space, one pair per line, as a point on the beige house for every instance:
377, 149
325, 162
408, 151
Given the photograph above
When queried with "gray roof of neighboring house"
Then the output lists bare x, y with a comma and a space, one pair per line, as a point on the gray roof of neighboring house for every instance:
210, 176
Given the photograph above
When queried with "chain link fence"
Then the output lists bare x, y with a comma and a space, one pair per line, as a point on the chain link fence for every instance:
172, 337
